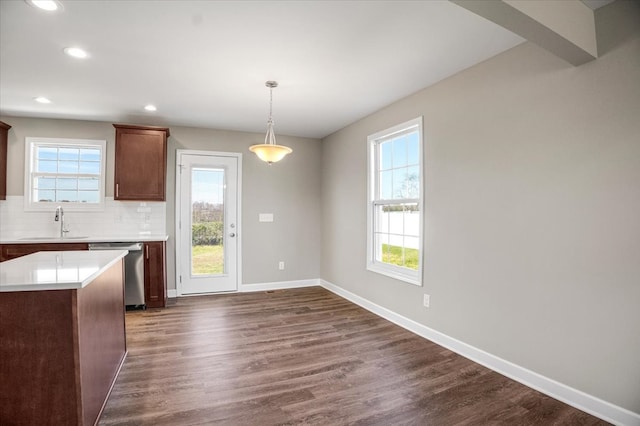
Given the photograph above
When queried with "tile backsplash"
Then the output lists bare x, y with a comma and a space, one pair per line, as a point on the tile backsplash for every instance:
119, 218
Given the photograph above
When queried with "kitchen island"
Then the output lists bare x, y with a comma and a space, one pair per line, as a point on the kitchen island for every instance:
62, 335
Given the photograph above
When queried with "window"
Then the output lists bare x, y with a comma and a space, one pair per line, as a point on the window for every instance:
394, 236
66, 172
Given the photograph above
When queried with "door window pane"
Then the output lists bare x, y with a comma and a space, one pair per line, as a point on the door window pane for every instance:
207, 221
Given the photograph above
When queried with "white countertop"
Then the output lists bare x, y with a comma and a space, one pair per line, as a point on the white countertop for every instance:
83, 239
56, 270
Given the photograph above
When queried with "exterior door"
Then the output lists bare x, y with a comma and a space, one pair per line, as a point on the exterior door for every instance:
207, 225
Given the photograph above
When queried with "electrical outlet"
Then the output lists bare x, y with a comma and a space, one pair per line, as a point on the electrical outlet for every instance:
426, 301
281, 266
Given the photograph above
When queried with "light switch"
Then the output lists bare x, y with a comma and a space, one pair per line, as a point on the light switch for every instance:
265, 217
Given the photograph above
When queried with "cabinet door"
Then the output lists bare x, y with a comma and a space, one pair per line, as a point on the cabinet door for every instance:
140, 163
4, 141
12, 251
155, 278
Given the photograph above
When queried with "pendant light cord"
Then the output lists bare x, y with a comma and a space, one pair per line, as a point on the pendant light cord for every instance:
270, 137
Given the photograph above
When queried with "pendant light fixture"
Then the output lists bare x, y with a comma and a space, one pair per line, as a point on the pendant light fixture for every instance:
269, 151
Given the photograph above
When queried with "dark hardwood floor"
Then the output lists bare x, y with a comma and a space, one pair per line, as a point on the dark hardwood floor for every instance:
306, 356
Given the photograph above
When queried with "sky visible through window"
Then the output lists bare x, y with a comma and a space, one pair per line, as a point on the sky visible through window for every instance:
399, 167
207, 185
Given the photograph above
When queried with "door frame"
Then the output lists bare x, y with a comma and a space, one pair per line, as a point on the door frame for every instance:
178, 195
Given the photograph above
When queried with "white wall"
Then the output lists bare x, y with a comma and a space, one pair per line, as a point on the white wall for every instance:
532, 210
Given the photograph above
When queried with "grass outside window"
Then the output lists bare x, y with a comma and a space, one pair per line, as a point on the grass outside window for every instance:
400, 256
207, 259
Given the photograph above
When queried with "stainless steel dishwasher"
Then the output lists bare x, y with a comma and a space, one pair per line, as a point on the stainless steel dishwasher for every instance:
133, 272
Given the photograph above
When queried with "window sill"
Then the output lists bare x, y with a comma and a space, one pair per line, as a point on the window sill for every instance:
411, 278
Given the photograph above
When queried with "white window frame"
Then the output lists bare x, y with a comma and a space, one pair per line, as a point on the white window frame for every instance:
373, 141
29, 170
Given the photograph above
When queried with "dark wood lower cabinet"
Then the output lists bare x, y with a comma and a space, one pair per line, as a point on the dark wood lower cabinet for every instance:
61, 351
155, 277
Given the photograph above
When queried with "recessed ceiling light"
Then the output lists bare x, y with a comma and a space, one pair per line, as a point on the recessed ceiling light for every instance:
150, 107
42, 100
76, 52
48, 5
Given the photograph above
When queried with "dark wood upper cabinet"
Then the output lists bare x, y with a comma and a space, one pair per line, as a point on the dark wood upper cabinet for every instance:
140, 163
4, 142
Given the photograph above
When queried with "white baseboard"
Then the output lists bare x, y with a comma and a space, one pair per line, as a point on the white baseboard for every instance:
576, 398
279, 285
275, 285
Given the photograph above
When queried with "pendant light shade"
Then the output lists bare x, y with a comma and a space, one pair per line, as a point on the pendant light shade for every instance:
269, 151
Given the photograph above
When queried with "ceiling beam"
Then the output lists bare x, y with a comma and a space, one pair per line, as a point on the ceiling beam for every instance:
565, 28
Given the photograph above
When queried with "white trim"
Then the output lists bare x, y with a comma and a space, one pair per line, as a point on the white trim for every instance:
238, 156
574, 397
172, 293
279, 285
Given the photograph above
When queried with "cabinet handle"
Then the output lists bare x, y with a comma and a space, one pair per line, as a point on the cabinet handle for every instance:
117, 190
146, 248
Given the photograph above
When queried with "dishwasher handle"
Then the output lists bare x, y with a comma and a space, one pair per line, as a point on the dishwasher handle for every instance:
116, 246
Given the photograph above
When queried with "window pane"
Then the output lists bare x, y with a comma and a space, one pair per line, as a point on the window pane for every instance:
381, 241
90, 155
47, 166
88, 196
386, 185
400, 183
46, 153
400, 152
90, 168
67, 167
68, 154
88, 183
47, 195
68, 196
413, 182
381, 219
67, 183
45, 183
396, 220
385, 155
413, 149
412, 220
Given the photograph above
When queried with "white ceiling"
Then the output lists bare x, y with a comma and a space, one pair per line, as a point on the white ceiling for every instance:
204, 63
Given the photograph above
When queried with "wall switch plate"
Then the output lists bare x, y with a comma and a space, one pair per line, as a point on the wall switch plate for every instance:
426, 301
265, 217
281, 266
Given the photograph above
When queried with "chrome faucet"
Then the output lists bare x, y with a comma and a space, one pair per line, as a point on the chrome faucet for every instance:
60, 218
